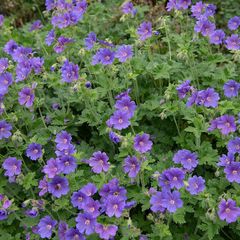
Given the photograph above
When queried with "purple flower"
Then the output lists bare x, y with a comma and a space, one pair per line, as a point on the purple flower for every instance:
45, 227
61, 44
10, 47
124, 52
3, 214
89, 190
233, 42
172, 201
106, 231
120, 120
12, 166
195, 185
225, 160
74, 234
183, 4
50, 37
208, 98
99, 162
26, 97
183, 89
69, 72
70, 150
86, 223
217, 37
34, 151
32, 213
62, 230
234, 23
36, 25
126, 105
63, 140
79, 199
186, 158
90, 40
58, 186
50, 4
175, 177
88, 84
128, 8
210, 10
37, 64
232, 172
92, 207
43, 185
234, 145
156, 202
131, 166
231, 88
3, 64
144, 31
114, 137
228, 211
1, 20
142, 143
67, 164
5, 129
172, 4
5, 81
205, 27
198, 9
51, 169
226, 124
115, 207
192, 99
21, 54
23, 69
104, 56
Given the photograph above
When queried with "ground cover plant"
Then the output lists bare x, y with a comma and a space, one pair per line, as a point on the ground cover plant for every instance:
120, 121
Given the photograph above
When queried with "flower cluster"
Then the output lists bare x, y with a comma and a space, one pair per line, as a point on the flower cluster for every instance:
125, 109
65, 163
226, 124
66, 13
5, 204
208, 97
204, 15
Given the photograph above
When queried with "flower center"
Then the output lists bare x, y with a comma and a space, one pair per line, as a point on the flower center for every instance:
227, 124
14, 167
66, 163
49, 227
175, 178
87, 222
35, 151
124, 54
234, 172
227, 210
115, 206
172, 202
92, 209
2, 129
125, 108
120, 120
107, 58
208, 99
76, 237
189, 160
133, 166
195, 185
64, 140
141, 143
58, 186
80, 199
